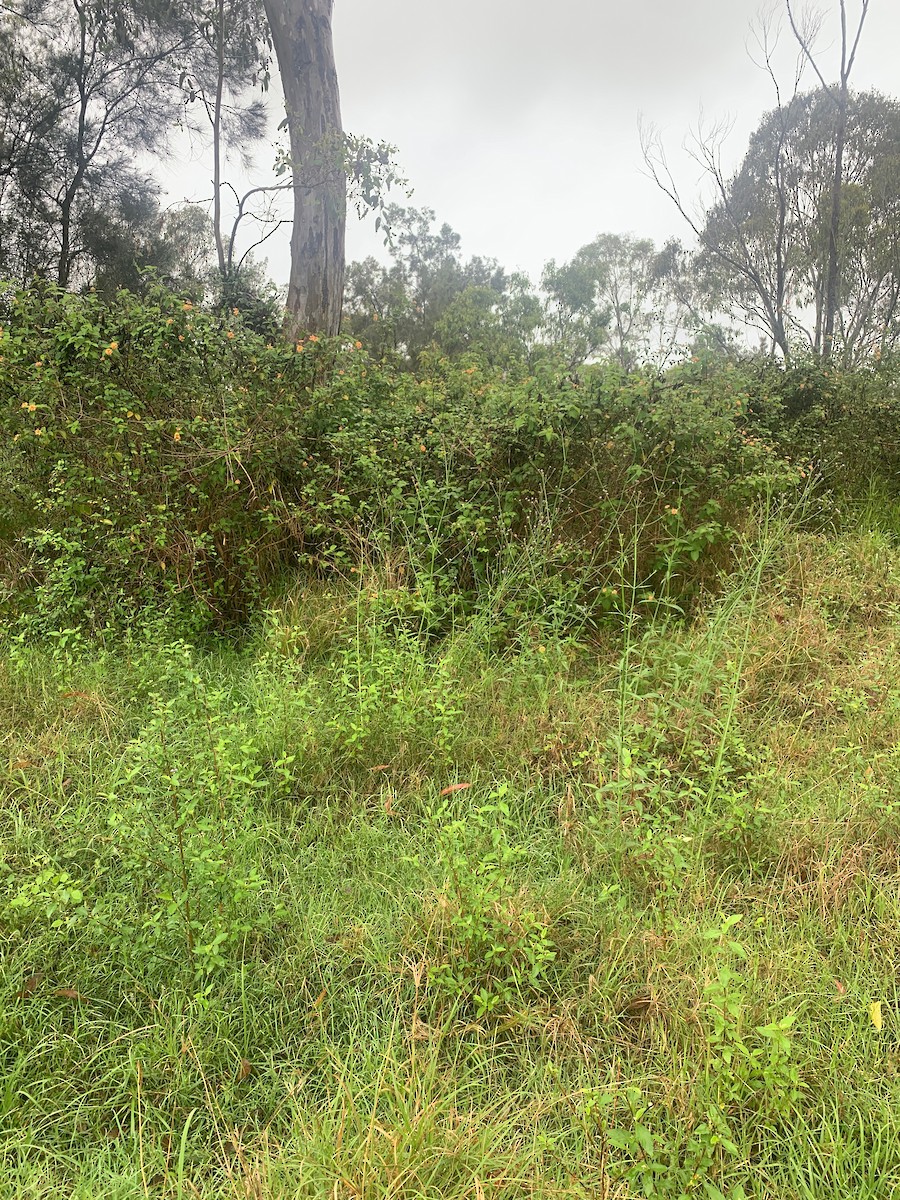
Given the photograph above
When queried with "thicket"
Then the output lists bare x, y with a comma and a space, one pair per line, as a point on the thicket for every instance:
156, 457
335, 908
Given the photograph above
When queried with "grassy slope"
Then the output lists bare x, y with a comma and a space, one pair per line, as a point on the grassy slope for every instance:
248, 949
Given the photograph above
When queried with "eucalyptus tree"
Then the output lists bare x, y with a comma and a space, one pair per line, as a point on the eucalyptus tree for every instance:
839, 97
302, 39
619, 297
431, 295
766, 245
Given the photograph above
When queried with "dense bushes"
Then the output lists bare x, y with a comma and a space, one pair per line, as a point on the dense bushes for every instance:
846, 422
156, 454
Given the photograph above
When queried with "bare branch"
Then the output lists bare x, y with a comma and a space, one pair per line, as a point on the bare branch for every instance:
805, 39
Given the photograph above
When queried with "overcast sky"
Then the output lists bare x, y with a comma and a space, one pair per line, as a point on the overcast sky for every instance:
517, 120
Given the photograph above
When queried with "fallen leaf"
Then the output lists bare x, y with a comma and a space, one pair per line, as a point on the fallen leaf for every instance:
68, 994
841, 989
31, 984
381, 767
388, 806
245, 1070
455, 787
317, 1003
21, 764
875, 1014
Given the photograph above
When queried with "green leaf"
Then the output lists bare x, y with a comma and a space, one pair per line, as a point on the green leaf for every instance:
644, 1139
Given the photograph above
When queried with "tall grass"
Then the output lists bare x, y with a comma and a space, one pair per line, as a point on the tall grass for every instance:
533, 908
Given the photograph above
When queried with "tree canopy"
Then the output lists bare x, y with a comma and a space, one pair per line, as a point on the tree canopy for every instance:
764, 243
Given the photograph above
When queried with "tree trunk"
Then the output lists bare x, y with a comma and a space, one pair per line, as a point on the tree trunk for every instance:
301, 36
832, 297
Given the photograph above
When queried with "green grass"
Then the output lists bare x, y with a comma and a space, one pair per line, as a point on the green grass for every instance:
250, 949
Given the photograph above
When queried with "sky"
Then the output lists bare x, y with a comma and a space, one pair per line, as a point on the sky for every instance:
517, 121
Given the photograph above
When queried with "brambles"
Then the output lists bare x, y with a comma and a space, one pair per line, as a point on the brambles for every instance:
537, 834
156, 455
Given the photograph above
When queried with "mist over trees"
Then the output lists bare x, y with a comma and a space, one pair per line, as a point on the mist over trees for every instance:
799, 243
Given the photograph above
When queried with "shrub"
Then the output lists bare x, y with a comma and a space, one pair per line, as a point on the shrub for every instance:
159, 456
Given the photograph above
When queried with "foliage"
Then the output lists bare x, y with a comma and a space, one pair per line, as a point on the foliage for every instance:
764, 244
156, 453
430, 296
493, 947
715, 1021
843, 424
86, 85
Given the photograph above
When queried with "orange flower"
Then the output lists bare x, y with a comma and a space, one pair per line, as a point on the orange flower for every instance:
313, 338
230, 333
358, 345
187, 306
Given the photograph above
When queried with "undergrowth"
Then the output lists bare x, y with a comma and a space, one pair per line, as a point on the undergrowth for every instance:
451, 783
342, 910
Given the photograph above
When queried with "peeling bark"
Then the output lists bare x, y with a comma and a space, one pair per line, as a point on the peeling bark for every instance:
302, 39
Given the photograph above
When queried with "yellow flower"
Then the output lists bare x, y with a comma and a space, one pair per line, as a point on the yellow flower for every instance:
176, 436
39, 432
187, 306
108, 350
113, 345
299, 347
